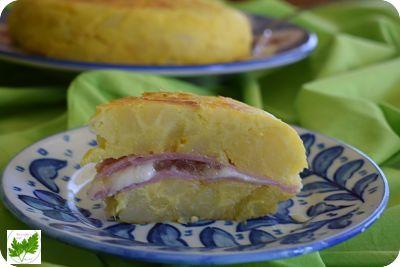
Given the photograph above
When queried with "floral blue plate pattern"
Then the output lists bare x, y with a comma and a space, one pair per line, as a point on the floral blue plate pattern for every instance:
344, 193
295, 43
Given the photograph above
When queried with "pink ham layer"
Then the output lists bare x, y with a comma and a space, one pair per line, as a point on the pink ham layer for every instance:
176, 165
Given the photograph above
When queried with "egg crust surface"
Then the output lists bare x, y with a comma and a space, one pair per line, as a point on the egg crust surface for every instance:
149, 32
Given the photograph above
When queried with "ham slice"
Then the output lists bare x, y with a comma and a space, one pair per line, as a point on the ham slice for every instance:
129, 172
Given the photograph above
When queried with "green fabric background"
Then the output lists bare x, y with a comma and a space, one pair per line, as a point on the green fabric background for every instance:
349, 89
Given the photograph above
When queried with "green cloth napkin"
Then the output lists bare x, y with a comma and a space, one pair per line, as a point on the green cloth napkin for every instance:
349, 89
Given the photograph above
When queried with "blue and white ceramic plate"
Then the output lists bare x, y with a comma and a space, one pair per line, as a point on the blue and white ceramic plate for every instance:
291, 43
344, 193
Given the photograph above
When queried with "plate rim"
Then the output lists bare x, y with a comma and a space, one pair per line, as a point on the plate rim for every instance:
281, 59
178, 257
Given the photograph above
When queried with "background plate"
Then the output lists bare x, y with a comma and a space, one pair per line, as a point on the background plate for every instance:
292, 44
344, 193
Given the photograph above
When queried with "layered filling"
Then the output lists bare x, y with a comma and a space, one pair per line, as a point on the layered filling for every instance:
129, 172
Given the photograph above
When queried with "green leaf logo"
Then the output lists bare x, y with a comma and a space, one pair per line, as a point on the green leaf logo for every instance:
20, 249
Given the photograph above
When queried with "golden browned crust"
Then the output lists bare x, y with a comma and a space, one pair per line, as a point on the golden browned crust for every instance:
183, 99
148, 32
164, 4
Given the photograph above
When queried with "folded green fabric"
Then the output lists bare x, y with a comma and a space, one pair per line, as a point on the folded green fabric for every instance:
362, 108
349, 89
351, 36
